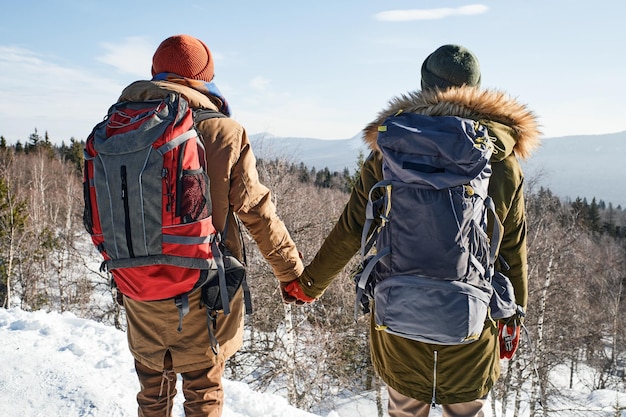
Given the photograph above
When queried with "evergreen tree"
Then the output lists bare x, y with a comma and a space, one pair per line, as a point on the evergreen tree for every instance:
74, 154
33, 141
580, 208
593, 216
304, 174
352, 179
323, 178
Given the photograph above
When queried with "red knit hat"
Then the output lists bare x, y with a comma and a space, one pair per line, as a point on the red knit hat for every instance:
184, 55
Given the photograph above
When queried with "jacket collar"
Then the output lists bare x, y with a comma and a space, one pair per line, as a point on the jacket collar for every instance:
150, 90
512, 123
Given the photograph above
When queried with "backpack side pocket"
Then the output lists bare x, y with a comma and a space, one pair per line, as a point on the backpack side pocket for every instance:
235, 273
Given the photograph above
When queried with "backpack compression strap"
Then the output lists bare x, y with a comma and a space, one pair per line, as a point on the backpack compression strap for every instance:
364, 277
382, 205
372, 208
191, 263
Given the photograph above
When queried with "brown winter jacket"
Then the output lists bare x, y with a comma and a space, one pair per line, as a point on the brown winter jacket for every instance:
234, 188
464, 372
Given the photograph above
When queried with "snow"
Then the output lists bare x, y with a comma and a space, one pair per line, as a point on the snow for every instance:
56, 364
60, 365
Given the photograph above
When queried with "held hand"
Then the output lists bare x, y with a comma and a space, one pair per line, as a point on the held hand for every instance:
292, 293
509, 334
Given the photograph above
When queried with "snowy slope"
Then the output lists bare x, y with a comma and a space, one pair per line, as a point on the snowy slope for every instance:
57, 365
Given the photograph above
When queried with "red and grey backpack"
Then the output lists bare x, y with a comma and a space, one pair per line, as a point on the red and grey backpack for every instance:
147, 200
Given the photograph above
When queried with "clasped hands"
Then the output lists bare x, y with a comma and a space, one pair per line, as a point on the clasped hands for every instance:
293, 293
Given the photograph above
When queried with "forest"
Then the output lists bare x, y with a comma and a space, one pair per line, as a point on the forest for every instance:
314, 353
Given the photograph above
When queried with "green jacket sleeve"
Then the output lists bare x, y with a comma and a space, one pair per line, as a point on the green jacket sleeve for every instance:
344, 240
507, 191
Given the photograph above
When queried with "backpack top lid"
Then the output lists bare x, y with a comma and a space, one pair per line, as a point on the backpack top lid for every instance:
435, 151
132, 126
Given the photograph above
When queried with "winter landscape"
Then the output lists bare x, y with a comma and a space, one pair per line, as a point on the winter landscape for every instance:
57, 364
311, 74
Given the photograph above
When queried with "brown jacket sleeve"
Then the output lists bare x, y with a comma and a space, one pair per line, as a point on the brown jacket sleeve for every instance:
235, 187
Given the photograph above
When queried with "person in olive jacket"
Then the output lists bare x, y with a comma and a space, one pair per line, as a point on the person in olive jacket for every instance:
184, 64
418, 374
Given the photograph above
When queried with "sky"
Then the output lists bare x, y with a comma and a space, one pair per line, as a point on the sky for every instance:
57, 364
316, 69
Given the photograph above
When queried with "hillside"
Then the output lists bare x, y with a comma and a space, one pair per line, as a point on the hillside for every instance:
336, 155
582, 166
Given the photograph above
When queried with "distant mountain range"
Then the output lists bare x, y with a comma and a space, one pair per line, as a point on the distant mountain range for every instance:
336, 155
585, 166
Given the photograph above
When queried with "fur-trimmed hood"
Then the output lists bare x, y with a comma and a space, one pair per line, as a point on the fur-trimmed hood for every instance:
514, 126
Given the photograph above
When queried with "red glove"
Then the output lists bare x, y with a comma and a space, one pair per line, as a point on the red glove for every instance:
292, 293
509, 338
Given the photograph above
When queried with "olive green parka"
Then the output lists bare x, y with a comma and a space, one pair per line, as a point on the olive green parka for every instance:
427, 372
235, 190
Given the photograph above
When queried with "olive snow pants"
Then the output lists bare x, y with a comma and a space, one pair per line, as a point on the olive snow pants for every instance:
202, 389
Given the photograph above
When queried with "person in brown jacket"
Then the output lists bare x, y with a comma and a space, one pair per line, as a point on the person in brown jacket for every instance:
184, 64
420, 375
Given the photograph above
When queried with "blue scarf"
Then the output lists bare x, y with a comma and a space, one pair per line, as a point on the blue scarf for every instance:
206, 88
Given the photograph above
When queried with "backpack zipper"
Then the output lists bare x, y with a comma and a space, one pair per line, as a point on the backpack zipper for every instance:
168, 189
129, 240
88, 212
179, 180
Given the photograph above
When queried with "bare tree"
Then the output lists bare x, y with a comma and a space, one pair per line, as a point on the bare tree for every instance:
13, 219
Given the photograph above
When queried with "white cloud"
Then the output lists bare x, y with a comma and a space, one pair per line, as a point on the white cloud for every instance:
259, 83
132, 56
38, 92
13, 55
429, 14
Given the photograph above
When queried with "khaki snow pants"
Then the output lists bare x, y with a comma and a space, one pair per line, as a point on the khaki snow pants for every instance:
403, 406
202, 389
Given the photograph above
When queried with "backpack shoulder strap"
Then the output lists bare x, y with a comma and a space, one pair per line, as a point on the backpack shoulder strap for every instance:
498, 230
244, 283
205, 114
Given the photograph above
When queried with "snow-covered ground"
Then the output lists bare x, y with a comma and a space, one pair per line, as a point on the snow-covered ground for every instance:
55, 364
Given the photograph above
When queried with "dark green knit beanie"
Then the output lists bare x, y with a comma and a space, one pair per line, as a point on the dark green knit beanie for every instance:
450, 66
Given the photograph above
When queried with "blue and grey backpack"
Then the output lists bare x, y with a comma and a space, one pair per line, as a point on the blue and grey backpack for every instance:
431, 275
